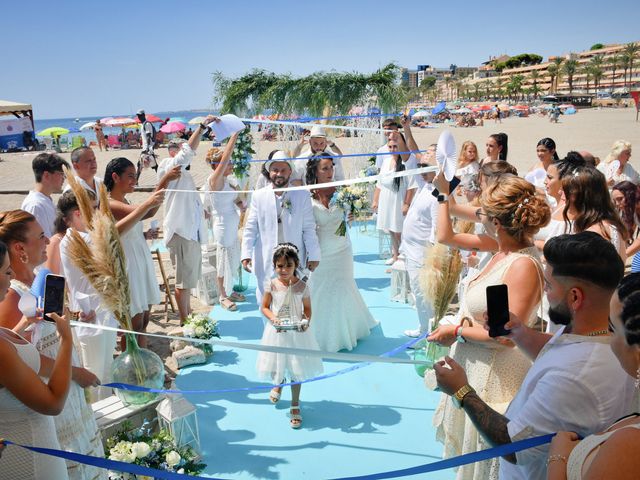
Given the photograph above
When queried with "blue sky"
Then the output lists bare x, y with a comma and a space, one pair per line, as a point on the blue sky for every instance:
98, 58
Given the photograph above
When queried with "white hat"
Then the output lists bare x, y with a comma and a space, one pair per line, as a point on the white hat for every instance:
140, 112
279, 156
317, 131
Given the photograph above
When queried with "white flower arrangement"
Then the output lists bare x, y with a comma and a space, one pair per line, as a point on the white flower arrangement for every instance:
353, 199
198, 325
152, 450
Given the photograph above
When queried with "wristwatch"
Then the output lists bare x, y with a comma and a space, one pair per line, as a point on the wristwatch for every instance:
458, 397
458, 334
443, 197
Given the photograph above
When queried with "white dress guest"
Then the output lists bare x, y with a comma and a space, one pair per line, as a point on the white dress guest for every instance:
42, 207
22, 425
96, 346
225, 232
390, 202
76, 427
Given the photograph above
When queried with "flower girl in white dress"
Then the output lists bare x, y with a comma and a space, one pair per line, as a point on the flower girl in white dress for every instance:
287, 302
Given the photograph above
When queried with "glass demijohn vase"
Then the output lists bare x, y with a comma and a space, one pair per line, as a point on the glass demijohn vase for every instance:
137, 366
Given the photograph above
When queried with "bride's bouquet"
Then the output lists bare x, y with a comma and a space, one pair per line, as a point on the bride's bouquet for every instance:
352, 199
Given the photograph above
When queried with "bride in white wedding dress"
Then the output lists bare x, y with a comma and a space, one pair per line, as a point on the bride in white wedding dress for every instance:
340, 315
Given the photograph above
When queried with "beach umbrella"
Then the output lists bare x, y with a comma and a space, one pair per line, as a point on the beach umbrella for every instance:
197, 120
105, 119
172, 127
464, 110
520, 107
53, 132
87, 126
178, 119
440, 107
422, 113
119, 122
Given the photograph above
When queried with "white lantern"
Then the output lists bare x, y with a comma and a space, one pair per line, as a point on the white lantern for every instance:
384, 245
400, 287
178, 416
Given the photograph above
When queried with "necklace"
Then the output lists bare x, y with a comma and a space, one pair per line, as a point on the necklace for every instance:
597, 333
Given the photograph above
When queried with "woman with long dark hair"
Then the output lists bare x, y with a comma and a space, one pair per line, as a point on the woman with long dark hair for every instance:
497, 148
120, 180
589, 207
547, 154
392, 197
345, 319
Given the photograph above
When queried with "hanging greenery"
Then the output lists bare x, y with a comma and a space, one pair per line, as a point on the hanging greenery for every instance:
241, 156
317, 94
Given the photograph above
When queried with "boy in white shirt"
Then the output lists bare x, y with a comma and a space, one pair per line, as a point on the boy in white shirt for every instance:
49, 175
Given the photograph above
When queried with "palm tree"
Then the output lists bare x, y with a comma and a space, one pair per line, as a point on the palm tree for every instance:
514, 87
558, 61
586, 70
534, 76
570, 67
447, 82
629, 54
614, 62
553, 72
596, 63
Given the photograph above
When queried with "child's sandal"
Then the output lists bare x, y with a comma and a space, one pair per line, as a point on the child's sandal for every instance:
274, 395
296, 418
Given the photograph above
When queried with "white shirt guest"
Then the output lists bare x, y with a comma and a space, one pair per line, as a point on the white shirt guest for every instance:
49, 176
184, 228
417, 232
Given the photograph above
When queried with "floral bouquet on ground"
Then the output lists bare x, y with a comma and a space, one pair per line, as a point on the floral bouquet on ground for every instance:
241, 156
352, 199
152, 450
203, 327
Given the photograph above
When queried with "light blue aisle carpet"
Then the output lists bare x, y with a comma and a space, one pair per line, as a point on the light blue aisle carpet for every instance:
373, 419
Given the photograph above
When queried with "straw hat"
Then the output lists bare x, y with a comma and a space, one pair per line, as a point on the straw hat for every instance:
279, 156
318, 131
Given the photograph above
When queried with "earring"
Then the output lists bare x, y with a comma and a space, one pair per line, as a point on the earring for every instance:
24, 258
637, 382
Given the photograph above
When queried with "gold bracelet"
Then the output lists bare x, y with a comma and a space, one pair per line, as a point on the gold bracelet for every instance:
555, 458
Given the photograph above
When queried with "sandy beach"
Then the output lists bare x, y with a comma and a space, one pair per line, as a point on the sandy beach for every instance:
592, 130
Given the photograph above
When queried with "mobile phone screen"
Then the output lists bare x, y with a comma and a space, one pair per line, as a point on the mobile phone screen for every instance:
53, 296
455, 181
498, 310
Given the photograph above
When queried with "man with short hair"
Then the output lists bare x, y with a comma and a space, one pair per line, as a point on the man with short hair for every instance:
85, 167
49, 176
575, 383
147, 131
184, 228
418, 231
276, 217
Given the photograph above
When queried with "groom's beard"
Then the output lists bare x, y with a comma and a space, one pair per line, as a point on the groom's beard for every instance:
560, 314
279, 181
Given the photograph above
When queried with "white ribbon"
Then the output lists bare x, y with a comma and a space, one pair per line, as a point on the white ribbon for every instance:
310, 125
337, 183
345, 357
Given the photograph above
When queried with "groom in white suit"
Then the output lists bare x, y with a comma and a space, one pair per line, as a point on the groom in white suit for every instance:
276, 217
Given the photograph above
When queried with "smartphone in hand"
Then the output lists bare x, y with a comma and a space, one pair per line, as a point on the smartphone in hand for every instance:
455, 181
498, 310
53, 296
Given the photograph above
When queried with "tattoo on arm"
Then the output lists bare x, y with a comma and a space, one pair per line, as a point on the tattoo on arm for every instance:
491, 425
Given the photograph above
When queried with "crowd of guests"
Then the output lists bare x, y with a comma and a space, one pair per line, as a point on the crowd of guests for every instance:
558, 238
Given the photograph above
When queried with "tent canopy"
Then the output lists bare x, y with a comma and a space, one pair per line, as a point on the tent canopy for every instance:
7, 107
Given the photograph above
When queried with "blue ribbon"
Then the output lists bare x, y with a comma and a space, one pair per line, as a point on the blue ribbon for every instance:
454, 462
138, 388
465, 459
106, 463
